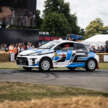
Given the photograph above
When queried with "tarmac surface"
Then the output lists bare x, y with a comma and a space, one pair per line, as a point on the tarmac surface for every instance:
97, 80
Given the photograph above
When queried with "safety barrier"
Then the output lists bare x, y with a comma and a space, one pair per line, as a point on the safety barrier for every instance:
103, 57
4, 56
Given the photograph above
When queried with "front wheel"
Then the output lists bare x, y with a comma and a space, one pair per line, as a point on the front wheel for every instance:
91, 65
45, 64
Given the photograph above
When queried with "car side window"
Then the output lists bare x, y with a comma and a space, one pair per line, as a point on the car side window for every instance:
59, 47
78, 46
65, 47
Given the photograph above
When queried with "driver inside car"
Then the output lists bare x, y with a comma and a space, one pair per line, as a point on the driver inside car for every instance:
66, 47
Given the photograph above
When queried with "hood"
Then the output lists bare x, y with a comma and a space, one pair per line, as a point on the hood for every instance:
37, 51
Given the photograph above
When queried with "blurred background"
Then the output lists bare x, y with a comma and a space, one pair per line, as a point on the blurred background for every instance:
23, 12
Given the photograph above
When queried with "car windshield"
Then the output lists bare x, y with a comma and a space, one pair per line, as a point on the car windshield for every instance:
49, 45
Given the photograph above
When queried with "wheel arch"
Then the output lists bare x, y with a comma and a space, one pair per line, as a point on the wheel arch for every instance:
91, 58
46, 57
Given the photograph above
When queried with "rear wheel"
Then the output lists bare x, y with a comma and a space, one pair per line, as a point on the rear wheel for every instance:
45, 64
91, 65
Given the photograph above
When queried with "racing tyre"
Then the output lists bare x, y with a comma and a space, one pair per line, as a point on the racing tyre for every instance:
45, 65
27, 68
91, 65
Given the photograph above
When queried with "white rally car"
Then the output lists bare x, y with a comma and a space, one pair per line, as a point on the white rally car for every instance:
58, 53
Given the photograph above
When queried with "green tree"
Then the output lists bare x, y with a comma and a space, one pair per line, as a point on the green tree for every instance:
72, 19
51, 6
64, 9
38, 19
56, 24
105, 30
60, 7
95, 27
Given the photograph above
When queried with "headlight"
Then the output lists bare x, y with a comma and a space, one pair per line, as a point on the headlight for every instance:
33, 60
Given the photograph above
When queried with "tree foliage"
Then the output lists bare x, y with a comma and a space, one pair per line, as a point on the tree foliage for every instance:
51, 6
38, 20
56, 24
95, 27
61, 10
105, 30
72, 19
57, 6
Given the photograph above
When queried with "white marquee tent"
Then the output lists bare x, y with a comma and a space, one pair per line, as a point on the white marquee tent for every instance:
97, 40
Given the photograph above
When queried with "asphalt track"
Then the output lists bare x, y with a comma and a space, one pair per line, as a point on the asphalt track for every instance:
97, 80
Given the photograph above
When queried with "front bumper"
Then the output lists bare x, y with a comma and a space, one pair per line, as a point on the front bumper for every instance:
22, 61
27, 62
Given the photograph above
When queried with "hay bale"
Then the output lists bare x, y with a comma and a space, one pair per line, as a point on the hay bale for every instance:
4, 56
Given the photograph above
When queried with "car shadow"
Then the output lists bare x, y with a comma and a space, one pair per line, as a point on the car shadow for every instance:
60, 71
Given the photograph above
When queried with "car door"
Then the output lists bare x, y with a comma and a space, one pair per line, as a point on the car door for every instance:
80, 48
81, 52
63, 54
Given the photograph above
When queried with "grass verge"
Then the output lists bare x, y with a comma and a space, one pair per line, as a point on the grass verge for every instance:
73, 102
9, 65
103, 65
25, 95
12, 65
26, 91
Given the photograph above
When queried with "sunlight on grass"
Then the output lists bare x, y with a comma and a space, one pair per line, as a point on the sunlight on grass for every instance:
103, 65
26, 91
25, 95
73, 102
8, 65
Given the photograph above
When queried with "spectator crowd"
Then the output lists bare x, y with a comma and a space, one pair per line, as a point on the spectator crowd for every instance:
14, 49
99, 49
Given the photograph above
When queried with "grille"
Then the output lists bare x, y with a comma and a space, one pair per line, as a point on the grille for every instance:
21, 61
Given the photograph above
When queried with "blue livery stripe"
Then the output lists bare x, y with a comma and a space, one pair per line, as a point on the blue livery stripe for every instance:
69, 55
82, 64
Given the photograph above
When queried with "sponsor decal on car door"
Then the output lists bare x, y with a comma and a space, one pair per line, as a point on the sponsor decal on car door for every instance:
62, 58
